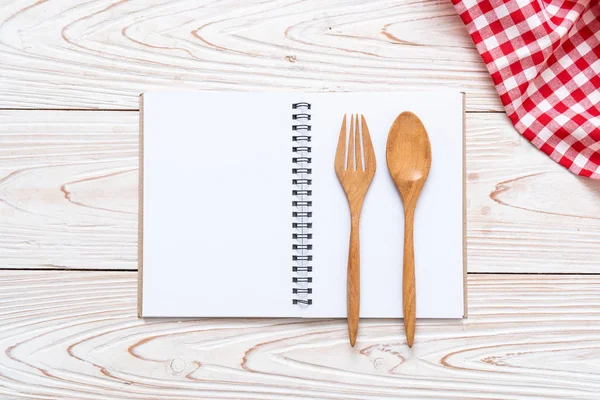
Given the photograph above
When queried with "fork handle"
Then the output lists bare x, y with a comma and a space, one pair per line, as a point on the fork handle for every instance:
409, 302
353, 281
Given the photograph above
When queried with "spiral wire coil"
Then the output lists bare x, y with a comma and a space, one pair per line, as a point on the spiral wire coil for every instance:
302, 204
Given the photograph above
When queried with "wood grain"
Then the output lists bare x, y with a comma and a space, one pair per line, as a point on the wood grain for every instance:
524, 212
355, 179
68, 196
69, 200
68, 189
408, 156
75, 335
102, 54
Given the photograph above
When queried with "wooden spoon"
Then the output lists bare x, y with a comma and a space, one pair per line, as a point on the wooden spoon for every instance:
408, 154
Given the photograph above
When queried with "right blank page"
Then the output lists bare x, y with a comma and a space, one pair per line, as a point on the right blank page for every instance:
438, 219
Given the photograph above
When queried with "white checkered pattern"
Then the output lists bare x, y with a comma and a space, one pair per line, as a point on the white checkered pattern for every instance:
544, 58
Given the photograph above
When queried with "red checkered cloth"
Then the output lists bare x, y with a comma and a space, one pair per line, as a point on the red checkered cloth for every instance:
544, 58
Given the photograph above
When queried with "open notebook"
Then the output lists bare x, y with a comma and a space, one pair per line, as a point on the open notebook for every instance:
232, 181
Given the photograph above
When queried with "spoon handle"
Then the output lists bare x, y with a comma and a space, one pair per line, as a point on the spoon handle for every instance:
353, 282
409, 303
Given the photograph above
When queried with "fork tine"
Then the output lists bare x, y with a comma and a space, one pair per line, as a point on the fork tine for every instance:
351, 145
359, 166
369, 153
340, 153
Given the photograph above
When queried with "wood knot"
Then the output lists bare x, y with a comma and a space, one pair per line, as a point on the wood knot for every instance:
177, 366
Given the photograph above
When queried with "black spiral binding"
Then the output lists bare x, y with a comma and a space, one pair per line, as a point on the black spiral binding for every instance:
302, 204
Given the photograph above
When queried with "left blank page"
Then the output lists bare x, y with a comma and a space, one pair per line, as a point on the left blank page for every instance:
216, 198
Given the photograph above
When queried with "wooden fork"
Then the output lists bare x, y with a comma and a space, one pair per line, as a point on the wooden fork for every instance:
355, 180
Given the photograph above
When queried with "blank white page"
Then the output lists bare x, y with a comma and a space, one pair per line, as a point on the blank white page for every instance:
217, 195
438, 220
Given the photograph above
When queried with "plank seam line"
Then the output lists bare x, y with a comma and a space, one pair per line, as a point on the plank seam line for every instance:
69, 269
73, 109
536, 273
137, 110
135, 270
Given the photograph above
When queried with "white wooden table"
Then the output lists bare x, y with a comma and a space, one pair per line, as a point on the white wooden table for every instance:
70, 74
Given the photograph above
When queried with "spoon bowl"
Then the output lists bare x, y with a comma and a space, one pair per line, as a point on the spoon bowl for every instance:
408, 154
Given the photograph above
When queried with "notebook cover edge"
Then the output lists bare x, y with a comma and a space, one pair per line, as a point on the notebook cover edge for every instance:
140, 208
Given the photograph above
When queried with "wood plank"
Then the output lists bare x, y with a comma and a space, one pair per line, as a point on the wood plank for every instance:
102, 54
525, 213
75, 335
68, 196
68, 189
